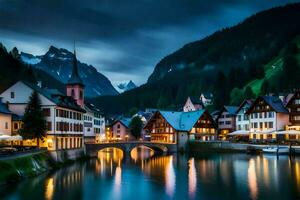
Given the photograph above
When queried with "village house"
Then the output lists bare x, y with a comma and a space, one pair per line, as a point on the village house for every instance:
192, 104
206, 98
65, 114
62, 114
293, 106
242, 121
179, 127
5, 119
120, 130
268, 116
94, 124
226, 121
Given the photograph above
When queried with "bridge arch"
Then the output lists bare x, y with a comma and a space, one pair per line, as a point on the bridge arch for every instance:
127, 147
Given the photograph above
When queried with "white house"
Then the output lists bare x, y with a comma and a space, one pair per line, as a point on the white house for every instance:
5, 120
226, 121
94, 124
207, 98
63, 113
242, 118
192, 104
268, 116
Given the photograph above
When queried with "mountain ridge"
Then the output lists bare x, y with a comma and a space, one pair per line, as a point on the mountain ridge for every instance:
58, 63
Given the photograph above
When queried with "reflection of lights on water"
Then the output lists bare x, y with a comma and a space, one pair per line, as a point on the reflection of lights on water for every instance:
192, 178
266, 171
108, 158
252, 179
117, 182
141, 153
49, 189
170, 177
297, 173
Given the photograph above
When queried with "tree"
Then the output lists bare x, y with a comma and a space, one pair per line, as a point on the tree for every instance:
248, 93
136, 126
236, 96
34, 122
133, 111
264, 88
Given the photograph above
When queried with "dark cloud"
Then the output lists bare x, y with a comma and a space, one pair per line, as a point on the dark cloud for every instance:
119, 37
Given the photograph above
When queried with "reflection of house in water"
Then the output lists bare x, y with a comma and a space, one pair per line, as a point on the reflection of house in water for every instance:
67, 182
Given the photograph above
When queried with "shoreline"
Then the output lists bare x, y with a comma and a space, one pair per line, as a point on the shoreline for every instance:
18, 167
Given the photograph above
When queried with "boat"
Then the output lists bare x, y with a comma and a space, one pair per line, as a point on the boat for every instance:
276, 150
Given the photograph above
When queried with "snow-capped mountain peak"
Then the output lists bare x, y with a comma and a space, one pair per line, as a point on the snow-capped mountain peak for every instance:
122, 87
58, 62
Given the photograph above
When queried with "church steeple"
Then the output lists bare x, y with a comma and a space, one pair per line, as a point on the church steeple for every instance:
75, 86
75, 78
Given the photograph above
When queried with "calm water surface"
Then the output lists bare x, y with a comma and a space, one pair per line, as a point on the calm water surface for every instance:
144, 176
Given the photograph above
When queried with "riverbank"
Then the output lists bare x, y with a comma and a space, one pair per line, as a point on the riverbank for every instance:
18, 167
228, 147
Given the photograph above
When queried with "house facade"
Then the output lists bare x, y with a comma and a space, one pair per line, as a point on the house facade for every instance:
293, 106
64, 113
63, 116
206, 98
226, 121
192, 104
120, 130
179, 127
94, 124
242, 118
5, 120
268, 116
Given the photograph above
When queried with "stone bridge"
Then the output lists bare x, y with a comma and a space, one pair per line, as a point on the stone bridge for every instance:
93, 148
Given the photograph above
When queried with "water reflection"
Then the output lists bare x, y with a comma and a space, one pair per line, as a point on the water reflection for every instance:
145, 176
49, 189
192, 178
252, 180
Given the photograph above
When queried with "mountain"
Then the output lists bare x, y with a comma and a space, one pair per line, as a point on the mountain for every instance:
58, 63
123, 87
225, 63
253, 41
13, 69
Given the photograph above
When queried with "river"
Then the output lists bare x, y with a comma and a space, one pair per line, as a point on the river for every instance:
143, 175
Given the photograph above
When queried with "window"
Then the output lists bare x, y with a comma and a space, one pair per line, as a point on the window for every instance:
271, 114
46, 112
6, 125
16, 126
239, 117
228, 122
255, 125
73, 93
118, 126
81, 94
12, 95
260, 125
270, 124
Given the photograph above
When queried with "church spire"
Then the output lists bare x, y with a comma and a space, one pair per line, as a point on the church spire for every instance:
75, 78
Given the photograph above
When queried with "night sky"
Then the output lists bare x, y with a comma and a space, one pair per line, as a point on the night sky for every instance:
123, 39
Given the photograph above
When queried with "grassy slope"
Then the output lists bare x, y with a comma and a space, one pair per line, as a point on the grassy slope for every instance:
271, 69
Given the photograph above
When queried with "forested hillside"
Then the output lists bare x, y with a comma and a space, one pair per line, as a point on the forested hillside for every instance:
224, 63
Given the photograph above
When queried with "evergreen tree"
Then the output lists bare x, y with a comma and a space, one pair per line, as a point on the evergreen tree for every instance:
34, 122
136, 126
291, 73
264, 88
248, 93
221, 90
